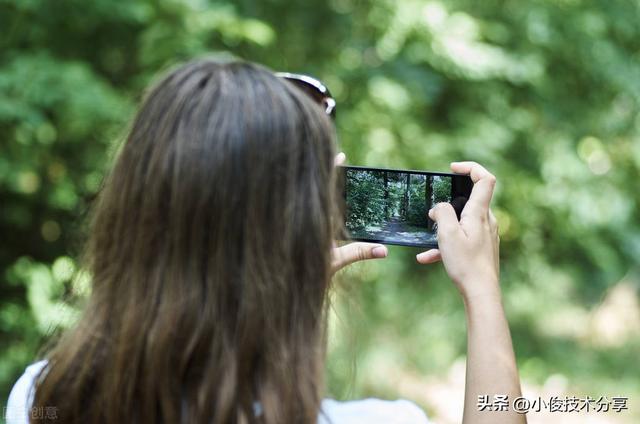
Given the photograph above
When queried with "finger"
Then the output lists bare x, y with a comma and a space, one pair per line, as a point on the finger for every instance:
484, 183
429, 257
445, 216
493, 221
470, 168
340, 159
358, 251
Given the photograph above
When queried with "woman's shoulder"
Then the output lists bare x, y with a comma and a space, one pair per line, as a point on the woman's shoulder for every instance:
371, 411
21, 396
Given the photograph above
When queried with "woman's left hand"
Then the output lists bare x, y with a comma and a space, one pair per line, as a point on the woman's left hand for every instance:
356, 251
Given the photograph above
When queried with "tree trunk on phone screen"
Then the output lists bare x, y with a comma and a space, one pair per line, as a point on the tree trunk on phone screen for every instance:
406, 196
427, 199
408, 193
386, 195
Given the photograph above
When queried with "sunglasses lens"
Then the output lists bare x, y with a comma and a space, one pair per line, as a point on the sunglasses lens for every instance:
314, 89
310, 90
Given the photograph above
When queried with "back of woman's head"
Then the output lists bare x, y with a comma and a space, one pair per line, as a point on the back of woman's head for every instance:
209, 251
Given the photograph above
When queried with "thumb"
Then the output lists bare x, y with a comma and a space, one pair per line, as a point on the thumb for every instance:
354, 252
445, 216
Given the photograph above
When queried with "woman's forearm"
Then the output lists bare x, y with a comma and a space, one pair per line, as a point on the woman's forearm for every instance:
491, 364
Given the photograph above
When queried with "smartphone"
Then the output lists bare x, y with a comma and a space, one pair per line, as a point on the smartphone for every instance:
390, 206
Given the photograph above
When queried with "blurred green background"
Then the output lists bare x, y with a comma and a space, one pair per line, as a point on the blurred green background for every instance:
545, 93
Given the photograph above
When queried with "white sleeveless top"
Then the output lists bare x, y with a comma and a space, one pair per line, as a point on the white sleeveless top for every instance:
370, 411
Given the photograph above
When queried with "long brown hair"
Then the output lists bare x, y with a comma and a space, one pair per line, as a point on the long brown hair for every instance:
209, 253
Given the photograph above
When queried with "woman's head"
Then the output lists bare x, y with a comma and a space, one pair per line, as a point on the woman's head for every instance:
210, 254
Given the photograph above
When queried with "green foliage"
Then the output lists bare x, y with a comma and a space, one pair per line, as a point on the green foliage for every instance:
441, 189
545, 94
417, 213
365, 196
372, 200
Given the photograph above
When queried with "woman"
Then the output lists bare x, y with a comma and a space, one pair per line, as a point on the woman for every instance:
211, 251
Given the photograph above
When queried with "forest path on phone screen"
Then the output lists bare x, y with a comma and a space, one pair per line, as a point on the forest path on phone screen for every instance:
395, 230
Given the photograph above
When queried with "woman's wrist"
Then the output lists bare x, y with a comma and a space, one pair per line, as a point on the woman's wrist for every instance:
482, 292
484, 309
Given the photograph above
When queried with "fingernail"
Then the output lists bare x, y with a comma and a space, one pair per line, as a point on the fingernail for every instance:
379, 252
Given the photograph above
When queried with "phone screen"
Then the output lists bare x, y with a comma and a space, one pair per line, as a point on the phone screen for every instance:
390, 206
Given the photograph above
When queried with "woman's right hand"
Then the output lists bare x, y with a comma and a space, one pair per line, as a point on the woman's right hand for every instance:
469, 248
469, 251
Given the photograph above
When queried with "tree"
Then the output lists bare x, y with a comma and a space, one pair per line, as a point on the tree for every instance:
386, 195
405, 198
427, 197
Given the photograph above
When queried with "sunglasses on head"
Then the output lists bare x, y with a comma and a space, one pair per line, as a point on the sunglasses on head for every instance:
314, 88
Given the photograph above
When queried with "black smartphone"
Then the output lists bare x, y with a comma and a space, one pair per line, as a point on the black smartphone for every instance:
390, 206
